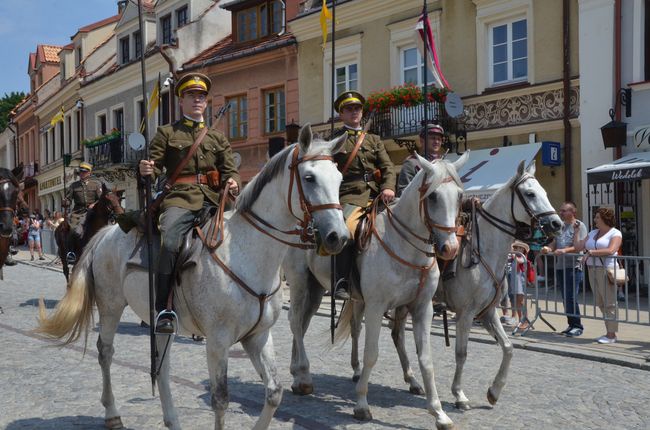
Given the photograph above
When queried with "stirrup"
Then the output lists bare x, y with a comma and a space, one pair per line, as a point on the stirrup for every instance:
71, 258
340, 292
166, 314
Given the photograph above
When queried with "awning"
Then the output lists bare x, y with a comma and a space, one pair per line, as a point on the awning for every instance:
489, 169
632, 167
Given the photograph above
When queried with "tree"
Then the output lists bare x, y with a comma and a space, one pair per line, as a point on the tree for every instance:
7, 103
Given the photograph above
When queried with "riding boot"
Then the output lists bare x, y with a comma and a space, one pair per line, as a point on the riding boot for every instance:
343, 268
9, 261
449, 269
164, 323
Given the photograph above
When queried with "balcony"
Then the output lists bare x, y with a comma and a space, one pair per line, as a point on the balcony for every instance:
111, 150
397, 122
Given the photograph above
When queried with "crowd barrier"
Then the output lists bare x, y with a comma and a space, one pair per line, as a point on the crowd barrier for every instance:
559, 276
48, 243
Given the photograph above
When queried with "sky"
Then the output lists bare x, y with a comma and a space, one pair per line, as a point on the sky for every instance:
27, 23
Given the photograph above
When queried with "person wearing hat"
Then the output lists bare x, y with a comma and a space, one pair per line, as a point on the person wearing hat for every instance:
84, 192
431, 137
521, 273
191, 191
369, 174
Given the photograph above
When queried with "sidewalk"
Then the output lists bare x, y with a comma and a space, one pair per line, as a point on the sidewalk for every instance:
631, 350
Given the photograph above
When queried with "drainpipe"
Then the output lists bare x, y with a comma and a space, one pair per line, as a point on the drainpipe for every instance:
618, 151
566, 92
172, 95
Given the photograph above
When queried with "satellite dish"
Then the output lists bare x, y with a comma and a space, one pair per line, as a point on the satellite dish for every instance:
136, 141
237, 158
454, 105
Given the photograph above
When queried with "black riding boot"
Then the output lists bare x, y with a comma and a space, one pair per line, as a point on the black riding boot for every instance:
343, 267
165, 319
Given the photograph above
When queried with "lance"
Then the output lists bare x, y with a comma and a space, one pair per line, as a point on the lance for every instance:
333, 97
147, 202
425, 39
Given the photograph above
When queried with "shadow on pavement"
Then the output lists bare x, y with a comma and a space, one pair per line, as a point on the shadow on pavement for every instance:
49, 304
81, 422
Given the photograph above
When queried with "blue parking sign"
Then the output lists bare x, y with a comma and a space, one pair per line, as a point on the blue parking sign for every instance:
551, 154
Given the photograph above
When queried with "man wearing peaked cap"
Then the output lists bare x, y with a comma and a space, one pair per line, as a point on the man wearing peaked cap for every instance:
85, 192
198, 183
432, 137
369, 174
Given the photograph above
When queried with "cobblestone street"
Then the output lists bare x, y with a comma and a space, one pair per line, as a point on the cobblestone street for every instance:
46, 387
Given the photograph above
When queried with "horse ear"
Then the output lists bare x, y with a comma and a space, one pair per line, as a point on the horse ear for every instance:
339, 143
531, 168
304, 140
424, 163
458, 164
520, 168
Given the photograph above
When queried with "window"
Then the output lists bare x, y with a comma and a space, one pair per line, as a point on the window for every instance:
274, 110
124, 49
101, 125
139, 118
137, 42
118, 120
46, 145
181, 16
52, 145
166, 29
508, 52
237, 117
78, 57
61, 139
259, 21
247, 25
78, 132
410, 60
276, 17
68, 145
346, 78
163, 109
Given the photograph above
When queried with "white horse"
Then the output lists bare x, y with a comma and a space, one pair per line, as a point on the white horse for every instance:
477, 289
302, 180
394, 271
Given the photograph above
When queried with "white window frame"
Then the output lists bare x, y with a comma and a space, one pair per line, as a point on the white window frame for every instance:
509, 60
402, 36
348, 51
495, 12
97, 127
111, 120
136, 111
126, 37
66, 136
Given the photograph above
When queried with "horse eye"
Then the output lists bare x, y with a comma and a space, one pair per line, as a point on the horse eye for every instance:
310, 178
530, 194
433, 197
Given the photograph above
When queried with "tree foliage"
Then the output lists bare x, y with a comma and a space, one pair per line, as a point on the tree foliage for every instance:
7, 103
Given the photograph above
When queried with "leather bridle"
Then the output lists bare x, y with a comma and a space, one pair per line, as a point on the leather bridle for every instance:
9, 209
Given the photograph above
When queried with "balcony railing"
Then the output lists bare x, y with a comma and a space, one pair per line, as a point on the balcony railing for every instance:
114, 151
401, 121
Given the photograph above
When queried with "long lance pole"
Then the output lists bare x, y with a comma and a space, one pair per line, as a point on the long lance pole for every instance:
332, 98
147, 202
425, 39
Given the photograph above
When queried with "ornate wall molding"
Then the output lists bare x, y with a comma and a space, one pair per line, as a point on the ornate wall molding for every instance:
523, 109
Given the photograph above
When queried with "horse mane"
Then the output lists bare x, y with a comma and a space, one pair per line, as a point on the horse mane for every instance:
6, 173
271, 170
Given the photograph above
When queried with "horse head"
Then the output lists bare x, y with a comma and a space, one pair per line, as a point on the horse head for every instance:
9, 189
439, 192
111, 200
529, 202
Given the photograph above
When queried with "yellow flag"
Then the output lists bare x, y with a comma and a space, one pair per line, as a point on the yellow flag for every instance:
57, 118
325, 15
153, 99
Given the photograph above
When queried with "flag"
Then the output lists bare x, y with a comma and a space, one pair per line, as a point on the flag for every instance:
325, 15
57, 118
154, 98
424, 39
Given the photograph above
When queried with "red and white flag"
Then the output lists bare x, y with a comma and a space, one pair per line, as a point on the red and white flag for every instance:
424, 39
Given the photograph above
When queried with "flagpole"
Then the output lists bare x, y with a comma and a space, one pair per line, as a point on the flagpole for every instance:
425, 39
147, 202
332, 98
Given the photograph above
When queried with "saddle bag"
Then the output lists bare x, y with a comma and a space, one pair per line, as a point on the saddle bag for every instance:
214, 179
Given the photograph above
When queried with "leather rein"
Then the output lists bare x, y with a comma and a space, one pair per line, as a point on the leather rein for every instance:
214, 238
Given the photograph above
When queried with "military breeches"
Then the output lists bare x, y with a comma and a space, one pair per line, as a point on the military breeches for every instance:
173, 224
351, 214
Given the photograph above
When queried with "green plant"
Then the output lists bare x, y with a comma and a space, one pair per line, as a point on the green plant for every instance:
100, 140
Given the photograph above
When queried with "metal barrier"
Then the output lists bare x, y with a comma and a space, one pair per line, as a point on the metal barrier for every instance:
627, 303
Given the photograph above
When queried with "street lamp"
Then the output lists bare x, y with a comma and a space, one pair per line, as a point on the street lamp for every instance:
615, 132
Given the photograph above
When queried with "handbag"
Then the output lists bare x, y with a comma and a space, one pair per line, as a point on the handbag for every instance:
617, 275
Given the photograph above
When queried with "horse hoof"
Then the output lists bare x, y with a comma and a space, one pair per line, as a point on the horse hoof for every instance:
362, 414
302, 389
491, 397
448, 426
463, 406
355, 378
113, 423
418, 391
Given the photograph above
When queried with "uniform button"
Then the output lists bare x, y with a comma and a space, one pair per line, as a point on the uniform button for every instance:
201, 157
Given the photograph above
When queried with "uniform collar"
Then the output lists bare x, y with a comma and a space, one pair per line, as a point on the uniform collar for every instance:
189, 122
353, 131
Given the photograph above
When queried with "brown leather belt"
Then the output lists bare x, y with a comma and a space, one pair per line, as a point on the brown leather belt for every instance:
365, 177
199, 178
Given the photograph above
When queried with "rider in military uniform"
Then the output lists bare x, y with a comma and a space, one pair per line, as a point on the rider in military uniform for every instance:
369, 174
432, 137
85, 192
190, 192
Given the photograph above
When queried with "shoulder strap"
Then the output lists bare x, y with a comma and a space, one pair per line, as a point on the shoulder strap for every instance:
187, 157
353, 154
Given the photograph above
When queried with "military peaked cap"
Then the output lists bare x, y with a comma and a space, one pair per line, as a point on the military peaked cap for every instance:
348, 98
193, 82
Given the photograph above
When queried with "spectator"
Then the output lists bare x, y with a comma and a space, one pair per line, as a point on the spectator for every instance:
34, 237
602, 245
47, 220
56, 220
520, 273
37, 214
507, 303
568, 270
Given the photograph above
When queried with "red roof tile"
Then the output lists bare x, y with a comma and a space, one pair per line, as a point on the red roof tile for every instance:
48, 53
225, 49
98, 24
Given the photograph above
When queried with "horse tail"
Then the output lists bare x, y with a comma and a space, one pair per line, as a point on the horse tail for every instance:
344, 327
73, 315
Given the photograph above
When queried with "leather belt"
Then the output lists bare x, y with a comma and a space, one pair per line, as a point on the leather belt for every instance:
199, 178
366, 177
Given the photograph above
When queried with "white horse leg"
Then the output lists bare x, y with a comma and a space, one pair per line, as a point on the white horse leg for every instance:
422, 316
370, 352
305, 300
398, 334
217, 355
355, 333
463, 324
260, 350
108, 322
493, 326
170, 417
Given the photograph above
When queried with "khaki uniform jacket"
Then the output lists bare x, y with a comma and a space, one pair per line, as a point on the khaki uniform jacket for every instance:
372, 155
84, 193
168, 148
